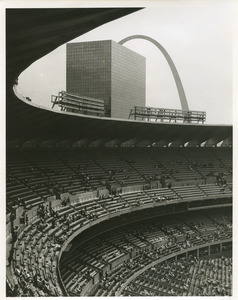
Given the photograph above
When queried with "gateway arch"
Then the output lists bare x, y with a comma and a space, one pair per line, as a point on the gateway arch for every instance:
182, 96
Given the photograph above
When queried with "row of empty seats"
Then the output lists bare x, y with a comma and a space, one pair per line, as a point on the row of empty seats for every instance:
33, 177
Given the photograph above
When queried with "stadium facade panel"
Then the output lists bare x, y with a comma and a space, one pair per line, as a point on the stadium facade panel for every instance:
107, 71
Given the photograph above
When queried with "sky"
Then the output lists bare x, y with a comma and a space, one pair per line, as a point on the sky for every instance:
199, 37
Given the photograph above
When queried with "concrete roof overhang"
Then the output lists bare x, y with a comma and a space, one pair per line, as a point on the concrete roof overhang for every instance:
31, 34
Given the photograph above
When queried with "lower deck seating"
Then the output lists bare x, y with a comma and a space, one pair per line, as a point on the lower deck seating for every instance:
35, 174
118, 255
37, 247
185, 277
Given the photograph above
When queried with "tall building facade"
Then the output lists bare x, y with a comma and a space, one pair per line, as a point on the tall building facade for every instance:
108, 71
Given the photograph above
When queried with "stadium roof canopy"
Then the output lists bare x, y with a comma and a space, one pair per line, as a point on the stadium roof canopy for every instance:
31, 34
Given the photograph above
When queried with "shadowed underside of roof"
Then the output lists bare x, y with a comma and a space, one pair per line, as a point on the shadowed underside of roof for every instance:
31, 34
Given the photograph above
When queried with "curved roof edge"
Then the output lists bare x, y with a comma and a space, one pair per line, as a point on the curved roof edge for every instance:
31, 124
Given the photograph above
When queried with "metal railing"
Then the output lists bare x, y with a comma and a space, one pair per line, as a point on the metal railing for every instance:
167, 115
78, 104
